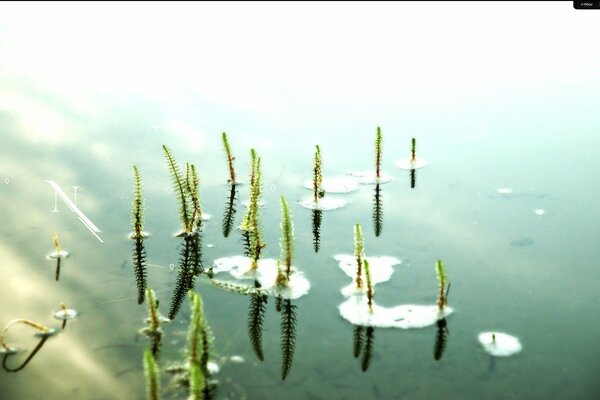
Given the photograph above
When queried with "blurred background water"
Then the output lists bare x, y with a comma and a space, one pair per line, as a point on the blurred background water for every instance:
498, 95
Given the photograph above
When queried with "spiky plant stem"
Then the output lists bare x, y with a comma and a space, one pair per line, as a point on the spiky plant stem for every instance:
27, 322
230, 159
229, 215
152, 376
368, 353
137, 208
378, 140
442, 301
192, 186
317, 216
413, 149
358, 253
256, 315
256, 244
179, 188
197, 383
377, 211
369, 286
317, 176
287, 237
358, 338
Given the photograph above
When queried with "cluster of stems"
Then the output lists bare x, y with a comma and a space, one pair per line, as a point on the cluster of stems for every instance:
251, 222
318, 191
369, 286
230, 159
286, 242
442, 300
359, 249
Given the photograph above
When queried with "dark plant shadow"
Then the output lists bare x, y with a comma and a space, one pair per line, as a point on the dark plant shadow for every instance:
441, 339
28, 359
377, 211
317, 216
139, 267
256, 317
363, 342
413, 178
190, 265
288, 335
229, 214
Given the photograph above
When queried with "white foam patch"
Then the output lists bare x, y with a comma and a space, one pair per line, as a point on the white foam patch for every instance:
407, 316
65, 314
323, 204
335, 184
370, 177
56, 255
504, 191
266, 274
205, 217
504, 345
411, 164
381, 270
212, 367
539, 211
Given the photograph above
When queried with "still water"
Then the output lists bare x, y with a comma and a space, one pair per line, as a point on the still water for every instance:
507, 201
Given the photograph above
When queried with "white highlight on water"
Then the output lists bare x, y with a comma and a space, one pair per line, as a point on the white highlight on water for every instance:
323, 204
335, 184
408, 163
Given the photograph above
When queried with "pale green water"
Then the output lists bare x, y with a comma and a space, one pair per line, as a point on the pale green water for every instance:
511, 270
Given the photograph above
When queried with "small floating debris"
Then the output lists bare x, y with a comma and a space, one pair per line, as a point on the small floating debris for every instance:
212, 367
65, 313
539, 211
205, 216
370, 177
323, 204
504, 191
499, 344
335, 184
210, 245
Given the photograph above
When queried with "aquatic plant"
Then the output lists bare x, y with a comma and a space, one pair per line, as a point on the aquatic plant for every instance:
230, 159
317, 218
197, 383
64, 314
442, 300
369, 286
152, 375
153, 331
378, 140
413, 149
190, 265
137, 206
377, 211
287, 237
192, 184
179, 188
441, 338
198, 336
229, 214
42, 331
318, 191
251, 222
358, 253
56, 243
288, 336
499, 344
256, 315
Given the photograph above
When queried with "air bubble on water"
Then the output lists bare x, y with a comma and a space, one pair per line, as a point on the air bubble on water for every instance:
172, 267
7, 181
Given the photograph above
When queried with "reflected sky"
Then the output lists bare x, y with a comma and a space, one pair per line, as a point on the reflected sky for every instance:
494, 93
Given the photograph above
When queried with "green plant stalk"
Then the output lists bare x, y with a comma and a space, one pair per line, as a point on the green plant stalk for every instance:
413, 150
287, 236
137, 208
254, 211
35, 325
195, 329
192, 186
369, 286
230, 159
317, 175
246, 221
378, 140
152, 311
152, 376
179, 188
196, 383
358, 253
442, 301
